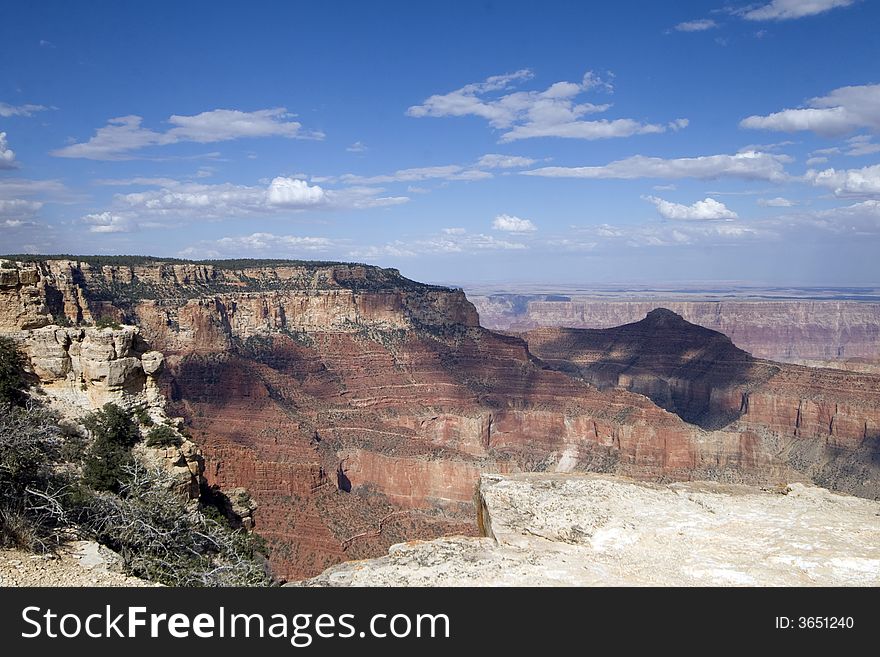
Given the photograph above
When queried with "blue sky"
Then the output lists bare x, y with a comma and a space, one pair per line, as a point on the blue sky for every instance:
576, 142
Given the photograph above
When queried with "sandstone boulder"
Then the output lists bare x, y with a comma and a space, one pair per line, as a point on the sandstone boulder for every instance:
153, 362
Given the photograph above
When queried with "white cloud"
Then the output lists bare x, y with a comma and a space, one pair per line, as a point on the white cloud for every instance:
225, 200
749, 165
138, 181
706, 210
495, 161
843, 110
123, 135
450, 241
224, 124
15, 187
293, 192
777, 202
108, 222
261, 244
7, 155
553, 112
816, 160
780, 10
696, 26
357, 147
18, 210
445, 172
268, 241
7, 110
666, 234
512, 224
847, 182
858, 219
861, 145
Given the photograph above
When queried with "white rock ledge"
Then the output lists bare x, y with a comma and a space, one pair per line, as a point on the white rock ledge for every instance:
598, 530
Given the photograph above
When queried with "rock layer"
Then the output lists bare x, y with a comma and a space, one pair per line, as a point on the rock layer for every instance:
826, 422
842, 334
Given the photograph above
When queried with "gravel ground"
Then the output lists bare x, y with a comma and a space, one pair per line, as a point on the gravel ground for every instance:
19, 568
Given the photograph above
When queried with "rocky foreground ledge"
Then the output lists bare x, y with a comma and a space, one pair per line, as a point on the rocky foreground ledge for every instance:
597, 530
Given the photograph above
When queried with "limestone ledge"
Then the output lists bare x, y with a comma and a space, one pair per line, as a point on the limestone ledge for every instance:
600, 530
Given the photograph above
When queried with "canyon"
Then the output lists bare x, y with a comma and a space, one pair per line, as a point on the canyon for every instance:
359, 408
823, 332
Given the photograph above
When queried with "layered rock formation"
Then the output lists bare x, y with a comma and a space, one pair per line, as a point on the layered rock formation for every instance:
596, 530
826, 422
359, 408
843, 334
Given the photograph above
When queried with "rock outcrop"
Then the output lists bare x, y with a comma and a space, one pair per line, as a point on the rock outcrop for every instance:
825, 333
596, 530
80, 369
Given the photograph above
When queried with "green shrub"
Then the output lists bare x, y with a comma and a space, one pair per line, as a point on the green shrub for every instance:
113, 435
107, 322
143, 417
11, 372
163, 436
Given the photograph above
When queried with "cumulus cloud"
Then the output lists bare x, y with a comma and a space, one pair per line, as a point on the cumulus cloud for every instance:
125, 134
778, 202
357, 147
554, 112
512, 224
847, 182
495, 161
700, 25
841, 111
7, 110
706, 210
7, 155
293, 192
748, 165
108, 222
781, 10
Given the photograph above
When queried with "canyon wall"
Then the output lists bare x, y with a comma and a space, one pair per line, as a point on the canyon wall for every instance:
359, 408
844, 334
827, 421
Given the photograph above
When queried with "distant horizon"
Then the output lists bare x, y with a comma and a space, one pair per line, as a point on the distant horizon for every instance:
518, 287
632, 141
